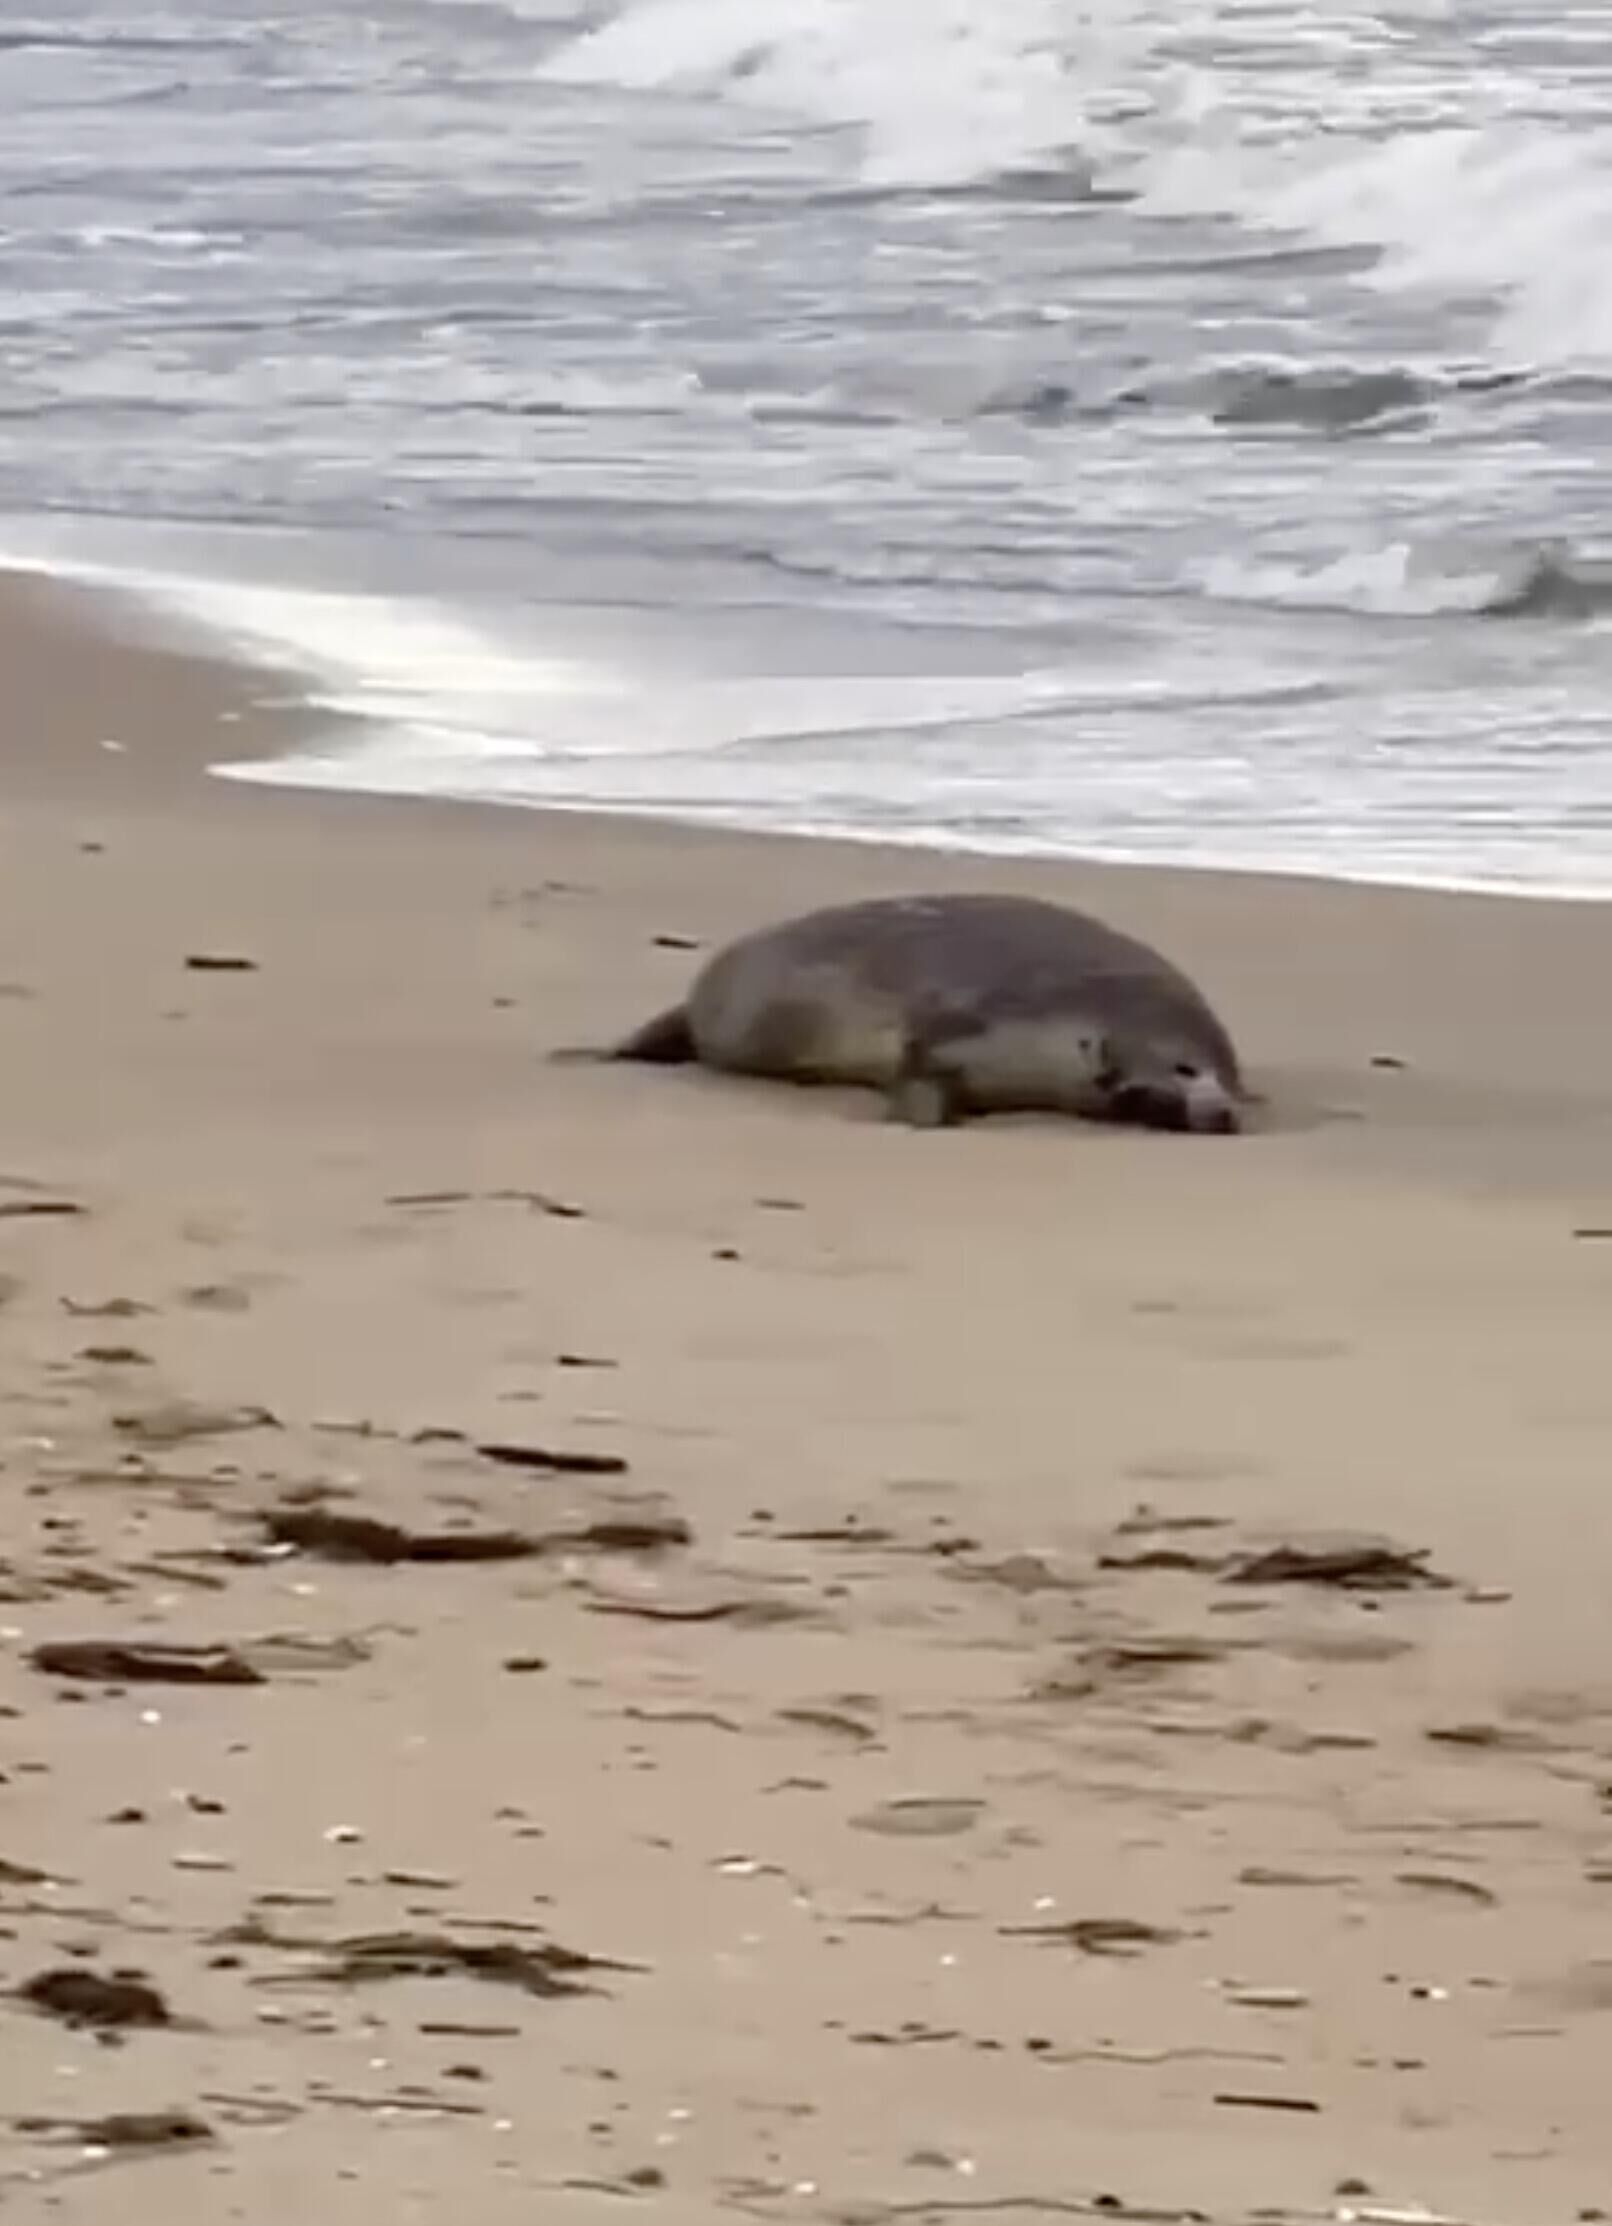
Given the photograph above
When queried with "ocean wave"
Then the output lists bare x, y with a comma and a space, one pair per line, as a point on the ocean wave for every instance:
1507, 216
1439, 578
947, 95
1239, 397
1446, 579
1352, 129
1268, 396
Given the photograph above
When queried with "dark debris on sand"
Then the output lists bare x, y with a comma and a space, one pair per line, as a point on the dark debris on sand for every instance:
119, 1661
545, 1969
338, 1537
1346, 1564
557, 1461
141, 2130
81, 1997
1363, 1567
349, 1537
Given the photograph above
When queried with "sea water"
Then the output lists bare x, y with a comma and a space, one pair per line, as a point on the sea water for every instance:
1175, 430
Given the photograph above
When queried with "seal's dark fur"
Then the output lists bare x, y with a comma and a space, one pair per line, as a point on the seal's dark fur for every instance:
955, 1004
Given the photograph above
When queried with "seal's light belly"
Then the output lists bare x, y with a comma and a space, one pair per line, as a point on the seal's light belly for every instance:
865, 1048
1050, 1062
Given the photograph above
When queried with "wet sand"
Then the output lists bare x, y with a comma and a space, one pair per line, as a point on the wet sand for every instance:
967, 1817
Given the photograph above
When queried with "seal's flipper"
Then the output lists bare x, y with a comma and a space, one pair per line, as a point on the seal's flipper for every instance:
924, 1101
665, 1041
921, 1095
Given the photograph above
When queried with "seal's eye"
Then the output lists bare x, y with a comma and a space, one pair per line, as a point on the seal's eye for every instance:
1187, 1073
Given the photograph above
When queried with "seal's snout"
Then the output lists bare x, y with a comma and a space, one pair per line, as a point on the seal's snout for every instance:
1210, 1108
1196, 1104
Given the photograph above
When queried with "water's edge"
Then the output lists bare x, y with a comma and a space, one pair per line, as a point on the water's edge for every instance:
345, 749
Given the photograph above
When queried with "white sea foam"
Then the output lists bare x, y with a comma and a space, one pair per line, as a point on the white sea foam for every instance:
439, 684
367, 656
1401, 579
942, 91
1501, 853
1511, 215
1371, 131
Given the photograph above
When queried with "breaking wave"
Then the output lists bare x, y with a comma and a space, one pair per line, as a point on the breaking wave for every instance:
1348, 127
1433, 580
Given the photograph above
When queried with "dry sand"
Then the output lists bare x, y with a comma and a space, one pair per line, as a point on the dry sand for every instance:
840, 1782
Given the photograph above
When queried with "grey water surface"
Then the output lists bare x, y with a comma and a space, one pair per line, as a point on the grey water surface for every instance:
1165, 429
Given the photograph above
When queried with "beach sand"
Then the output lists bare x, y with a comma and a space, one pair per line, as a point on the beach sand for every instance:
959, 1829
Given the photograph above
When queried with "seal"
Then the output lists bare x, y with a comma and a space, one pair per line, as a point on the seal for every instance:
960, 1005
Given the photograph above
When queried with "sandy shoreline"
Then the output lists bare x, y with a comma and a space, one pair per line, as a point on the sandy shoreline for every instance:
906, 1392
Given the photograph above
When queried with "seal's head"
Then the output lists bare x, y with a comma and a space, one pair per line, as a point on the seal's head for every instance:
1168, 1086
